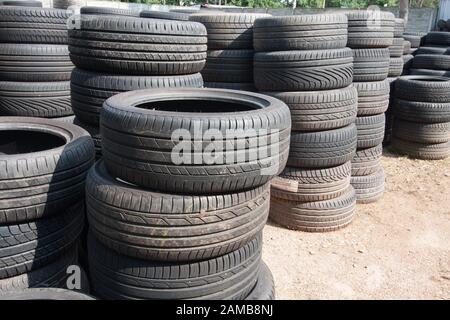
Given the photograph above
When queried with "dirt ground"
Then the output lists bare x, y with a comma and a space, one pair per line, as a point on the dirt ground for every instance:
396, 248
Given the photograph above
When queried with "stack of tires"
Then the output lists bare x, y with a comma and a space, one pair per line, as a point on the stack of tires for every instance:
117, 53
164, 227
396, 50
421, 105
229, 64
371, 52
303, 60
44, 166
34, 62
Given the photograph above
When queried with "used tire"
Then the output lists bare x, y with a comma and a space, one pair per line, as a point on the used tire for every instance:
370, 64
265, 286
406, 47
369, 188
229, 66
305, 185
367, 161
167, 227
422, 132
423, 89
429, 72
146, 46
34, 62
396, 49
36, 4
427, 112
432, 61
303, 70
373, 97
399, 27
233, 276
425, 151
362, 34
164, 15
139, 150
45, 294
232, 86
441, 38
300, 32
322, 149
433, 50
407, 62
317, 216
90, 89
320, 110
35, 99
44, 167
415, 39
370, 130
108, 11
395, 67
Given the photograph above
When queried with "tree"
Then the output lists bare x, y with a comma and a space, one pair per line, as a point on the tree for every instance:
404, 10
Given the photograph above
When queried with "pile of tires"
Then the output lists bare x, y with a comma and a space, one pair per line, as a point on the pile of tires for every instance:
303, 60
229, 63
372, 51
115, 52
44, 167
421, 106
34, 62
167, 221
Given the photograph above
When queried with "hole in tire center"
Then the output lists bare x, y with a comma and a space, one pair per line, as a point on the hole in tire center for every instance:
198, 106
24, 141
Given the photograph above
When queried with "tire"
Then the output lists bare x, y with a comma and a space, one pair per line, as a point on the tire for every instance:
232, 86
90, 89
228, 30
424, 151
369, 188
33, 25
436, 50
167, 227
432, 61
68, 119
94, 132
396, 49
399, 27
422, 132
91, 10
423, 89
406, 47
46, 173
35, 99
415, 39
367, 161
322, 149
303, 70
427, 112
428, 72
164, 15
438, 37
45, 294
228, 277
31, 245
318, 216
370, 64
229, 66
300, 32
407, 62
373, 97
35, 4
265, 286
320, 110
306, 185
28, 62
370, 130
146, 46
395, 67
146, 143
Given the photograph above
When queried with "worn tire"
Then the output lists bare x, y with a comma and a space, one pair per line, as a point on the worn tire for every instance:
399, 27
406, 47
234, 66
92, 10
423, 89
29, 3
322, 149
422, 132
233, 276
44, 174
303, 70
438, 38
433, 50
370, 130
407, 62
362, 35
320, 110
425, 151
427, 112
139, 150
90, 89
265, 285
432, 61
369, 188
395, 67
367, 161
373, 97
370, 64
415, 39
164, 15
429, 72
232, 86
396, 49
45, 294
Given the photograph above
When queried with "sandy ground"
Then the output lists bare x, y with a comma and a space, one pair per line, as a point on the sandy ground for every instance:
396, 248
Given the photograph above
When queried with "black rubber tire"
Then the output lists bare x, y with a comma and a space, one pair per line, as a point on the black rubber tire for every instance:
317, 216
370, 64
91, 89
373, 97
146, 138
367, 161
415, 39
399, 27
361, 34
168, 227
423, 89
34, 62
396, 49
424, 151
395, 67
433, 50
229, 277
265, 285
438, 37
370, 130
164, 15
92, 10
35, 99
432, 61
428, 72
369, 188
234, 66
422, 132
322, 149
303, 70
35, 4
33, 25
320, 110
406, 47
427, 112
146, 46
46, 181
306, 185
45, 294
94, 131
300, 32
232, 86
228, 30
31, 245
